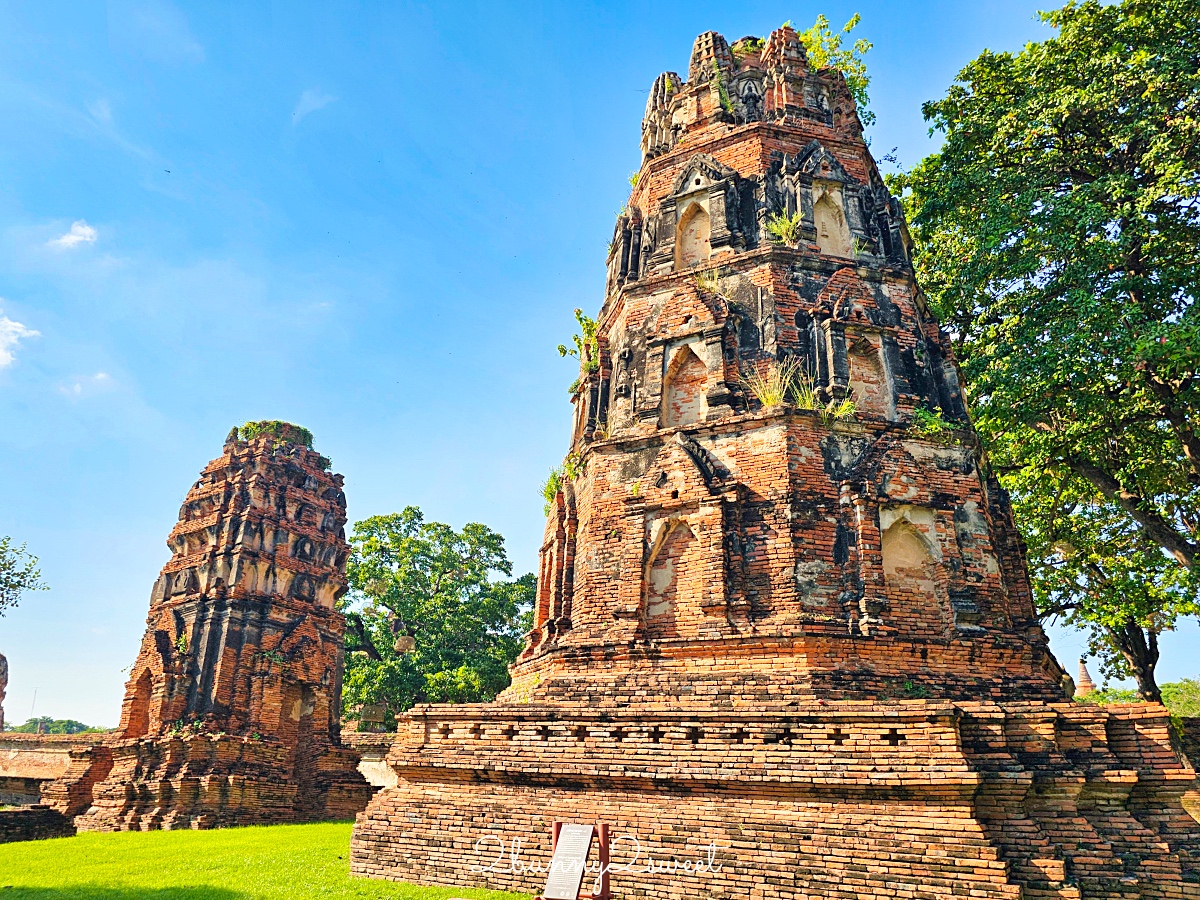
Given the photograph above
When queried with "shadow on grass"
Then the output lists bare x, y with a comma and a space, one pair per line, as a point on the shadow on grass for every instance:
98, 892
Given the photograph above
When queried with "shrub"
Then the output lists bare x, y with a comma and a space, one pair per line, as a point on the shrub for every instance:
787, 378
550, 488
784, 229
771, 388
284, 431
708, 281
930, 425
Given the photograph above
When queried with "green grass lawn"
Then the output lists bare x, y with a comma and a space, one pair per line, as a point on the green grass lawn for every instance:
292, 861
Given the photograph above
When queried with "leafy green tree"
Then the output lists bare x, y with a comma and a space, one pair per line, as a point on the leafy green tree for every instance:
1058, 232
1181, 697
427, 620
824, 49
18, 574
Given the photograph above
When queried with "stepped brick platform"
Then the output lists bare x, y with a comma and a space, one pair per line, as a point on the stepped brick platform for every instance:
791, 647
231, 714
843, 799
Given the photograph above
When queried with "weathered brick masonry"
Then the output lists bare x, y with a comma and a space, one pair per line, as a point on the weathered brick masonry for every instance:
808, 641
232, 709
33, 823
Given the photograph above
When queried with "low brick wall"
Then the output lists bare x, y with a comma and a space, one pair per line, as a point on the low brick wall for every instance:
33, 823
41, 756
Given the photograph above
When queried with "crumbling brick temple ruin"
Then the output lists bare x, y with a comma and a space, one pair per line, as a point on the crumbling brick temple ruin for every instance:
804, 639
232, 709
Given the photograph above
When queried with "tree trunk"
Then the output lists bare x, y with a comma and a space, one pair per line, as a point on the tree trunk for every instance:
1139, 646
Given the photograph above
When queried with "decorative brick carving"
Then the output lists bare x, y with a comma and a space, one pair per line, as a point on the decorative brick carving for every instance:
808, 642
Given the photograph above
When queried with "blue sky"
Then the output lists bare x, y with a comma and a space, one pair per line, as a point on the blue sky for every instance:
373, 219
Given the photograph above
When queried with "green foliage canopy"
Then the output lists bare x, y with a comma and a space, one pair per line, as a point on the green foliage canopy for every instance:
47, 725
18, 573
424, 581
1059, 238
1181, 697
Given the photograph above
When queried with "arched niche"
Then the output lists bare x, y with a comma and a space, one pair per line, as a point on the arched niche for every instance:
868, 381
905, 553
666, 579
807, 344
684, 400
918, 604
692, 244
833, 234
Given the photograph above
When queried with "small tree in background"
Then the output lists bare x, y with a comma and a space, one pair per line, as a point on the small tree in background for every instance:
1058, 237
427, 619
18, 574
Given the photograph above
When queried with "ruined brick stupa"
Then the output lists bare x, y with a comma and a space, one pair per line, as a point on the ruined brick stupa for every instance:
232, 710
803, 637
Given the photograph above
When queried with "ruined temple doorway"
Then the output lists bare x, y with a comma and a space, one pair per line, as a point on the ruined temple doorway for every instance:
917, 601
668, 588
302, 704
833, 235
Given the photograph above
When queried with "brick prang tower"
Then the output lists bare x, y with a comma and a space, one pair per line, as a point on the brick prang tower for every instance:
801, 636
232, 709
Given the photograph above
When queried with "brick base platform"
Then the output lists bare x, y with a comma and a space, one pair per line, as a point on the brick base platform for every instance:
906, 799
209, 782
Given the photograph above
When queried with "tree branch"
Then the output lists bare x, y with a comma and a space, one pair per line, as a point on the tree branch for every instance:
355, 625
1156, 526
1167, 396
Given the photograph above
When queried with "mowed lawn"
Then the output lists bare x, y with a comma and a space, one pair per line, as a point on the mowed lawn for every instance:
278, 861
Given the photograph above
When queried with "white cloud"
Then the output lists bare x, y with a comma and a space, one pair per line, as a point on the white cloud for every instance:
81, 233
10, 333
310, 101
87, 385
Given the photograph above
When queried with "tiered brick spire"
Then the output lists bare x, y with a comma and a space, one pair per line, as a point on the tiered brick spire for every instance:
237, 686
706, 531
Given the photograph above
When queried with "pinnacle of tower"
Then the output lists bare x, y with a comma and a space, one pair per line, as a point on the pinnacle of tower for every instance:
771, 436
784, 51
262, 530
710, 57
237, 684
754, 80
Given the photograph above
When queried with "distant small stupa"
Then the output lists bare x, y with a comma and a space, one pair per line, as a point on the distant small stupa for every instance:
1086, 685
